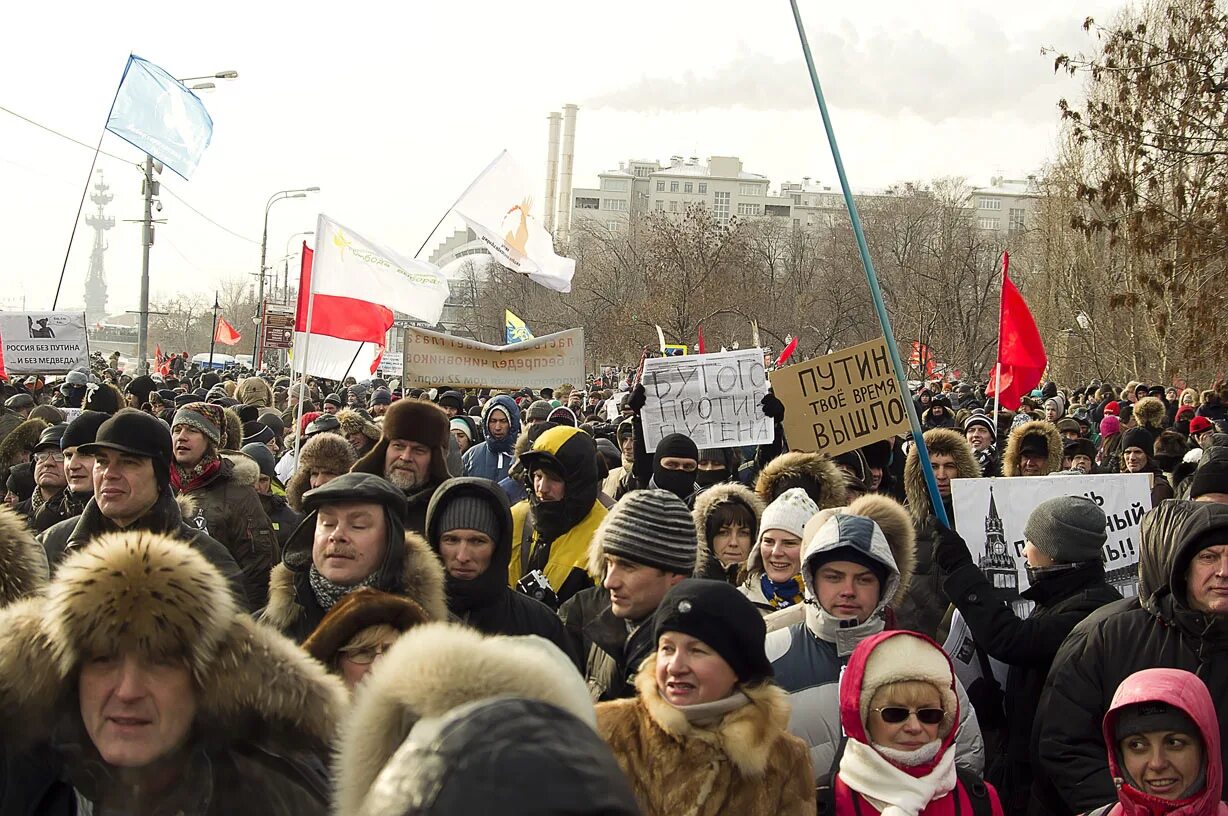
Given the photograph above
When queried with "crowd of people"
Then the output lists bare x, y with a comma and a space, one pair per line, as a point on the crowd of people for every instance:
230, 593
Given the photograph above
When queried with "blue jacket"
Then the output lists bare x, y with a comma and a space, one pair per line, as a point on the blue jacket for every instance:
492, 458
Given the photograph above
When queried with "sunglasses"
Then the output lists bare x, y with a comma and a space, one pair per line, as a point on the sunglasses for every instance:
898, 714
366, 656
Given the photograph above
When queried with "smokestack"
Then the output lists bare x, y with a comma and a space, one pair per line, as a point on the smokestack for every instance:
565, 162
552, 169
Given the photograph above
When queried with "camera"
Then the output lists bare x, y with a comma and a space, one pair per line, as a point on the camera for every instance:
537, 586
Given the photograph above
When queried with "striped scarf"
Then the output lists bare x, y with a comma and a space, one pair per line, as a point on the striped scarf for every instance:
782, 595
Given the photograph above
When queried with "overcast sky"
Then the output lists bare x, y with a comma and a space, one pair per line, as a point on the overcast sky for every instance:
393, 108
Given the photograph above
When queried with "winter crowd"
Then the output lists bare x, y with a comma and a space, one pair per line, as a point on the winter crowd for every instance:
237, 594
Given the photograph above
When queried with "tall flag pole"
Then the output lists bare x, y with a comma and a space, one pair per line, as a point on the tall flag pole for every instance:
872, 279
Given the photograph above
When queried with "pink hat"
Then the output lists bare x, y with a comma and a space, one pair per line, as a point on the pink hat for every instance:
1109, 425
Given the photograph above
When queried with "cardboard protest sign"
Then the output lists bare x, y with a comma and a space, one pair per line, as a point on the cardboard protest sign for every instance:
432, 358
43, 342
841, 401
991, 514
715, 399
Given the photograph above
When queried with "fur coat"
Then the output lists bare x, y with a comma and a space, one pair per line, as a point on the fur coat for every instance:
23, 561
747, 763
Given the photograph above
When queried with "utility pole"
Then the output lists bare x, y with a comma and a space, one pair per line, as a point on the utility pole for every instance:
150, 189
213, 337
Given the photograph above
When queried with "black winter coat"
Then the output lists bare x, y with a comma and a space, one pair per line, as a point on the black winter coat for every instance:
514, 613
1028, 646
1071, 765
611, 654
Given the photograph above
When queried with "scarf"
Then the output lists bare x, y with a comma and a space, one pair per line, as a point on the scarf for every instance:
782, 595
327, 593
705, 714
893, 791
185, 480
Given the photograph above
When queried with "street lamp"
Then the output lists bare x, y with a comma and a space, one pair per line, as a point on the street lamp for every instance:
285, 272
280, 195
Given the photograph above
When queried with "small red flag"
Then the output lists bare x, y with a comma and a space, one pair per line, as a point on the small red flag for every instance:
702, 348
787, 353
226, 334
1021, 353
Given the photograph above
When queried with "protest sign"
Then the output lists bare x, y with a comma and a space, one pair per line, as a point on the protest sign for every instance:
391, 365
442, 359
961, 648
715, 399
43, 342
991, 515
841, 401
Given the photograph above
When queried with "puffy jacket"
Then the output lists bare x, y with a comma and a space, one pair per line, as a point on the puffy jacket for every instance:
232, 514
850, 802
1028, 647
492, 458
1073, 773
568, 552
1186, 692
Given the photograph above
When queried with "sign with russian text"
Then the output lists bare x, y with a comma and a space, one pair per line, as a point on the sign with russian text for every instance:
43, 342
278, 326
841, 401
715, 399
434, 359
991, 515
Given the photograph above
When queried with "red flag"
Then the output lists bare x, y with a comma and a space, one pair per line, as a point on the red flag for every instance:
1021, 353
787, 353
225, 334
702, 348
336, 316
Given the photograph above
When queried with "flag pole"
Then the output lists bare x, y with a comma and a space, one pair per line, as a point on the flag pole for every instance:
872, 279
302, 380
458, 200
997, 387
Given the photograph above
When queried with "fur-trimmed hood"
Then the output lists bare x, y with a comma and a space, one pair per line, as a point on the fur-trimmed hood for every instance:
23, 437
422, 579
326, 451
944, 442
1037, 427
244, 470
254, 391
1151, 413
897, 528
23, 561
708, 500
793, 469
232, 434
431, 670
151, 594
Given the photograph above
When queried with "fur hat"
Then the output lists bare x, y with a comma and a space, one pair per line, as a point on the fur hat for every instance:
814, 472
941, 442
138, 591
23, 437
353, 422
417, 421
1150, 413
323, 452
23, 561
356, 611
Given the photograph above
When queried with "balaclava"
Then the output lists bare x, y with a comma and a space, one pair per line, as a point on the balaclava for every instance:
679, 482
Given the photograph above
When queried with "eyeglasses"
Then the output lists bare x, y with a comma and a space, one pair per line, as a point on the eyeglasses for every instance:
898, 714
52, 455
365, 656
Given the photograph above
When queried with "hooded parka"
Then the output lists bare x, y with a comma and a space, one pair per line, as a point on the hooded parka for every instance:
706, 504
492, 458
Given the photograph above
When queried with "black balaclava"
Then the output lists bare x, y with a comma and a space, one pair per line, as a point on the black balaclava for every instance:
726, 456
679, 482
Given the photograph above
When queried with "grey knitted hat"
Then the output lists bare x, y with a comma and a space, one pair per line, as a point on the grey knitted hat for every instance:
1068, 529
539, 410
468, 512
654, 528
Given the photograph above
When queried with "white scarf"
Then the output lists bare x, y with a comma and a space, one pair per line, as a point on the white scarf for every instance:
891, 790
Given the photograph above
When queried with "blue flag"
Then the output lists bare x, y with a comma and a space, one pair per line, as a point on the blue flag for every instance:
157, 114
514, 329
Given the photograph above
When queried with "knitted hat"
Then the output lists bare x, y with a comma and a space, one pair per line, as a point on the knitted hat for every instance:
381, 396
1153, 716
468, 512
1112, 408
1211, 476
984, 421
334, 399
20, 481
262, 456
716, 613
256, 432
1199, 424
1068, 529
204, 417
654, 528
898, 657
458, 424
1109, 425
1138, 438
789, 512
539, 410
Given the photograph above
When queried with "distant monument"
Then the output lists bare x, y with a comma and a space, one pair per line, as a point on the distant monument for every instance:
95, 278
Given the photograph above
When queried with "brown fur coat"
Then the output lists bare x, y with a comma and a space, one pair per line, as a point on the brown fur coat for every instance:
748, 763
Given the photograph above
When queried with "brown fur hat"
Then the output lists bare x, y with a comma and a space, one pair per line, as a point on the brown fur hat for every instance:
356, 611
944, 442
326, 451
354, 422
814, 472
417, 421
23, 437
1150, 413
23, 561
47, 413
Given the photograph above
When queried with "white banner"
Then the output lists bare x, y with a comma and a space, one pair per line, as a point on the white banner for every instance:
43, 342
715, 399
991, 514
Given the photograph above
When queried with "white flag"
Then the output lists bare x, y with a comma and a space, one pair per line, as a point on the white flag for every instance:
332, 357
498, 207
346, 265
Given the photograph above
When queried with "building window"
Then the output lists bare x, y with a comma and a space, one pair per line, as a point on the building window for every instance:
659, 205
797, 200
1016, 221
612, 226
673, 205
617, 204
987, 223
643, 170
614, 185
797, 222
673, 186
990, 204
587, 203
660, 186
750, 190
720, 207
688, 187
703, 188
749, 209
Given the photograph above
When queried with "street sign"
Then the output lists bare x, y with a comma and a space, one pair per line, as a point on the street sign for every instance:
278, 326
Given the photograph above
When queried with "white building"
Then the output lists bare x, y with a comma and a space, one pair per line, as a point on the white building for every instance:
1006, 206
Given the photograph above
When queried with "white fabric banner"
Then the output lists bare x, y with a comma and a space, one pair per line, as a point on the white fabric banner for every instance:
715, 399
43, 342
332, 357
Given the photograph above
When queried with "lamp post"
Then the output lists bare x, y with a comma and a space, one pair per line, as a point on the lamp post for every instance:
281, 195
285, 272
149, 190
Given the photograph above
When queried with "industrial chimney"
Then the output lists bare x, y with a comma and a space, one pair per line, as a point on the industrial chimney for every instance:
565, 165
552, 170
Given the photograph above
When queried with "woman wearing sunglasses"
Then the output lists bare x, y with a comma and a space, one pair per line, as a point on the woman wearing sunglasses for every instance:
359, 629
899, 708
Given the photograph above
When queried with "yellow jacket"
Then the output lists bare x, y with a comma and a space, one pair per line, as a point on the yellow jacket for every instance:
567, 552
